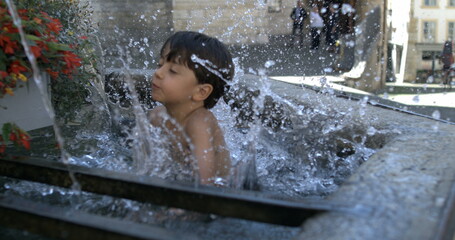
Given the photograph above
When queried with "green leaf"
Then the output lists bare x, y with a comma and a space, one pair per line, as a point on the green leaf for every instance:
2, 61
14, 37
6, 129
58, 46
32, 37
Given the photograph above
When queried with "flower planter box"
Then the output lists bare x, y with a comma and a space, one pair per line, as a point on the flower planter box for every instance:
26, 108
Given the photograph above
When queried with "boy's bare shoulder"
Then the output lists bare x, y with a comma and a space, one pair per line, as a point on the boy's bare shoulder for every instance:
202, 118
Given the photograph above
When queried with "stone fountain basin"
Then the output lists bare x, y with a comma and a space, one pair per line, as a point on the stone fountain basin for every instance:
408, 182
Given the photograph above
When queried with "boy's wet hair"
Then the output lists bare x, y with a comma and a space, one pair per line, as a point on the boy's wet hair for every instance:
209, 59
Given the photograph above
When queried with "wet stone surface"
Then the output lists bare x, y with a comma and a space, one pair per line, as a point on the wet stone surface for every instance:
398, 173
405, 183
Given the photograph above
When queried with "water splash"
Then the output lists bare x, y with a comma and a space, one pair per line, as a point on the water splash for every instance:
310, 151
287, 152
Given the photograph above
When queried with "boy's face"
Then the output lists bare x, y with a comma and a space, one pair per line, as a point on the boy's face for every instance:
173, 82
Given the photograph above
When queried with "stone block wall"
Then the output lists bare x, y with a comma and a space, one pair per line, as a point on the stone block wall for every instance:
280, 22
138, 27
412, 53
233, 22
374, 77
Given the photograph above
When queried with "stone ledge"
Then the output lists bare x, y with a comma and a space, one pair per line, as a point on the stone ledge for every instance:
407, 182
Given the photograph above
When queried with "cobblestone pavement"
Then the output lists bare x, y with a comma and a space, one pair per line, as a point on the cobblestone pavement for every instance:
284, 60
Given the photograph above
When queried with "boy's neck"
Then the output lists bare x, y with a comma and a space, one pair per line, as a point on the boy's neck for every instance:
180, 112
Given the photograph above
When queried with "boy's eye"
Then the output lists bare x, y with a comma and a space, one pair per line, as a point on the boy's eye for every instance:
172, 70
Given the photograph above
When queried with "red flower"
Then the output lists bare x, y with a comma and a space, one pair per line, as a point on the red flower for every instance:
12, 137
26, 144
3, 10
54, 26
53, 74
22, 11
2, 148
72, 60
22, 14
3, 75
45, 15
37, 33
7, 44
17, 68
24, 140
36, 51
10, 28
43, 45
37, 20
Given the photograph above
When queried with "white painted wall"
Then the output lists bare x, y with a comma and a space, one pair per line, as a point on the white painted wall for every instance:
441, 14
399, 33
25, 109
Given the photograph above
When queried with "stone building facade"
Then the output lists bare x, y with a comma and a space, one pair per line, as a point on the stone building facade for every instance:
432, 22
231, 21
142, 26
132, 30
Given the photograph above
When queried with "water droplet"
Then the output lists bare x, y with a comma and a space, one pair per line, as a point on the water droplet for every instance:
328, 70
436, 114
269, 63
371, 131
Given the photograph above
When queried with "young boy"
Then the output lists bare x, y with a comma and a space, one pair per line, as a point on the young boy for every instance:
190, 79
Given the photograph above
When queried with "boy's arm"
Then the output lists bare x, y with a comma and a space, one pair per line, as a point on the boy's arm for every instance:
200, 133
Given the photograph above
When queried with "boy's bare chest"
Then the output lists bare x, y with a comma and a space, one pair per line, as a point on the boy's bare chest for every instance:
178, 140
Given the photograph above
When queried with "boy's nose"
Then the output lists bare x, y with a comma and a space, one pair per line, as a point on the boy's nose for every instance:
158, 72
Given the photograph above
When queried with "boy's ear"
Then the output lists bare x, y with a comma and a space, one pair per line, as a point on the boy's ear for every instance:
203, 91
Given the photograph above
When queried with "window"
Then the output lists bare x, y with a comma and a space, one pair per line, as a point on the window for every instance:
451, 30
428, 55
429, 31
451, 3
274, 6
430, 3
